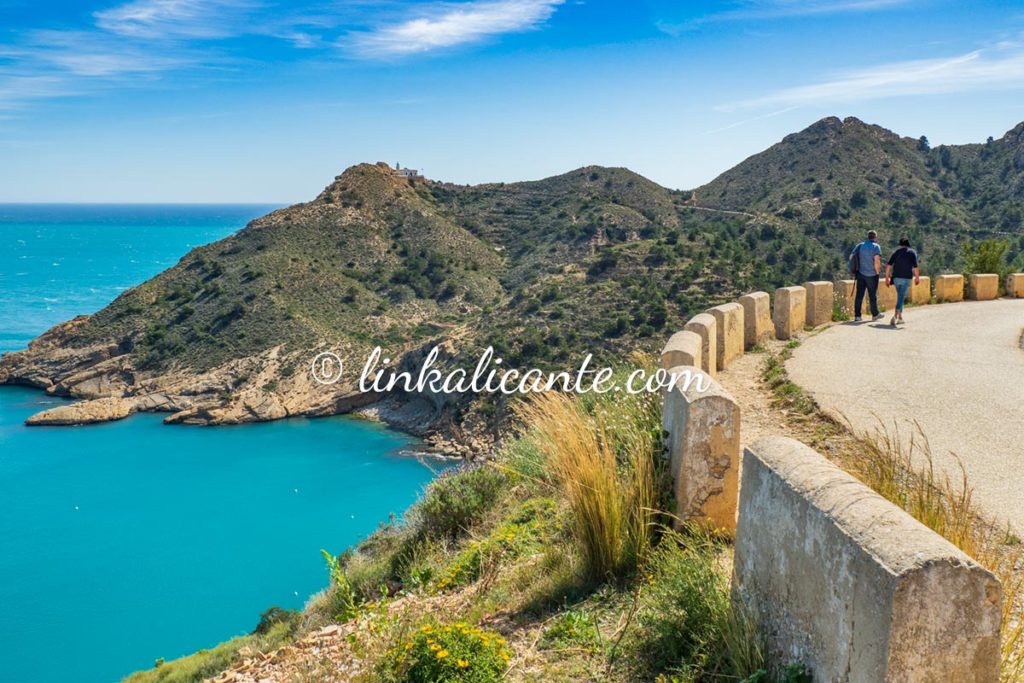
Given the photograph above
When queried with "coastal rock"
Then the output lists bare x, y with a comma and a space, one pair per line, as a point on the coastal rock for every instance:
84, 412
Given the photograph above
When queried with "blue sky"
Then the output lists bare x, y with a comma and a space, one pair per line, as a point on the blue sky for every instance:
264, 101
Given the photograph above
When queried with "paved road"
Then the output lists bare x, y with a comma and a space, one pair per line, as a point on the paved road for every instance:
958, 369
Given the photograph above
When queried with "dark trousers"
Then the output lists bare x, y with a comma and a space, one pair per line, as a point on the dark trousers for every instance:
869, 283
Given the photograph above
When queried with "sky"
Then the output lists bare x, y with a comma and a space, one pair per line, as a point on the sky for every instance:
263, 101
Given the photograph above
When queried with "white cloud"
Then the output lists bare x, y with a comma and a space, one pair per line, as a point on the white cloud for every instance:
448, 25
174, 18
998, 68
86, 53
750, 10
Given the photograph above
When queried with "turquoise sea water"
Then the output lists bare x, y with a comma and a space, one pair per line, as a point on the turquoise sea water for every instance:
128, 541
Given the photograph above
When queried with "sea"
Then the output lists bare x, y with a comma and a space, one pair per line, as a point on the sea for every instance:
131, 541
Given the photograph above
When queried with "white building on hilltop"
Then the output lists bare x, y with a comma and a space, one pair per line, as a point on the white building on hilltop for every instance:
406, 172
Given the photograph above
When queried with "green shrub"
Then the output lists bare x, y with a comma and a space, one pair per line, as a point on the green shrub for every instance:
688, 621
458, 499
276, 615
572, 629
343, 603
454, 652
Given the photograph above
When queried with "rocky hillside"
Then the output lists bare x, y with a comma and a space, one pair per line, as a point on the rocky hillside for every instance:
598, 260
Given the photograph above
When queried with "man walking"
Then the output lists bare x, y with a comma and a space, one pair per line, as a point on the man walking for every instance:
866, 264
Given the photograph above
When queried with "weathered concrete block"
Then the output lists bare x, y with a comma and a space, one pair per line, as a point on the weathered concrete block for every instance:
854, 587
949, 288
705, 327
820, 298
729, 324
921, 293
682, 348
757, 319
886, 296
790, 311
983, 287
1015, 285
844, 293
704, 449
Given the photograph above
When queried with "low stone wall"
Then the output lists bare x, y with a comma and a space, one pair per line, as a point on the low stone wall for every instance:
845, 582
984, 287
839, 578
757, 319
844, 293
682, 348
790, 311
921, 292
820, 300
729, 324
703, 429
705, 327
886, 297
1015, 285
949, 288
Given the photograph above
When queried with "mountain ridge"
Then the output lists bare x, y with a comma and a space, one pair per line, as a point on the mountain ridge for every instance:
596, 259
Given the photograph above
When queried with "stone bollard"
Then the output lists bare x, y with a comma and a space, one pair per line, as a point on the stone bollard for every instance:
757, 319
949, 288
820, 300
844, 293
682, 348
1015, 285
705, 327
704, 446
921, 294
983, 287
886, 296
790, 311
729, 328
842, 580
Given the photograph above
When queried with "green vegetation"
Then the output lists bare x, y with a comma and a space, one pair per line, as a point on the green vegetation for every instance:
556, 564
208, 663
452, 652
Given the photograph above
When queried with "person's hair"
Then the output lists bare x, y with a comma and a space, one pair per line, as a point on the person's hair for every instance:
904, 241
872, 234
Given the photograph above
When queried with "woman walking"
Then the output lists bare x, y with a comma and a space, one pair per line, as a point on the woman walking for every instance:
901, 269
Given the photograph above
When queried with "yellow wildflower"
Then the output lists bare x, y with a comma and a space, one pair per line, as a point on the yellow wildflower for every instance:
463, 663
442, 654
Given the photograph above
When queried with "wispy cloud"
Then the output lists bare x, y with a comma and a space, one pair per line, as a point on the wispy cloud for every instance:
998, 68
448, 25
747, 10
176, 18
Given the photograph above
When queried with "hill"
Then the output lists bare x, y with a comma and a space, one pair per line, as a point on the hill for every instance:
597, 260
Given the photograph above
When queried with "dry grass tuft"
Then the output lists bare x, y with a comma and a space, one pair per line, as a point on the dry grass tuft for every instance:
605, 473
902, 469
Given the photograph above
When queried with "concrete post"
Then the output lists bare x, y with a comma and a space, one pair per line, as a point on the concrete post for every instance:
845, 291
757, 319
704, 449
1015, 285
682, 348
820, 299
949, 288
852, 586
983, 287
729, 328
790, 311
704, 326
921, 294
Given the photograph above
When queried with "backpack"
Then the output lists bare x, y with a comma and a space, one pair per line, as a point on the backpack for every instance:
855, 260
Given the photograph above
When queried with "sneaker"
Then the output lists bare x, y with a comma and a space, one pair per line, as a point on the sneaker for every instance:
893, 321
877, 316
858, 319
